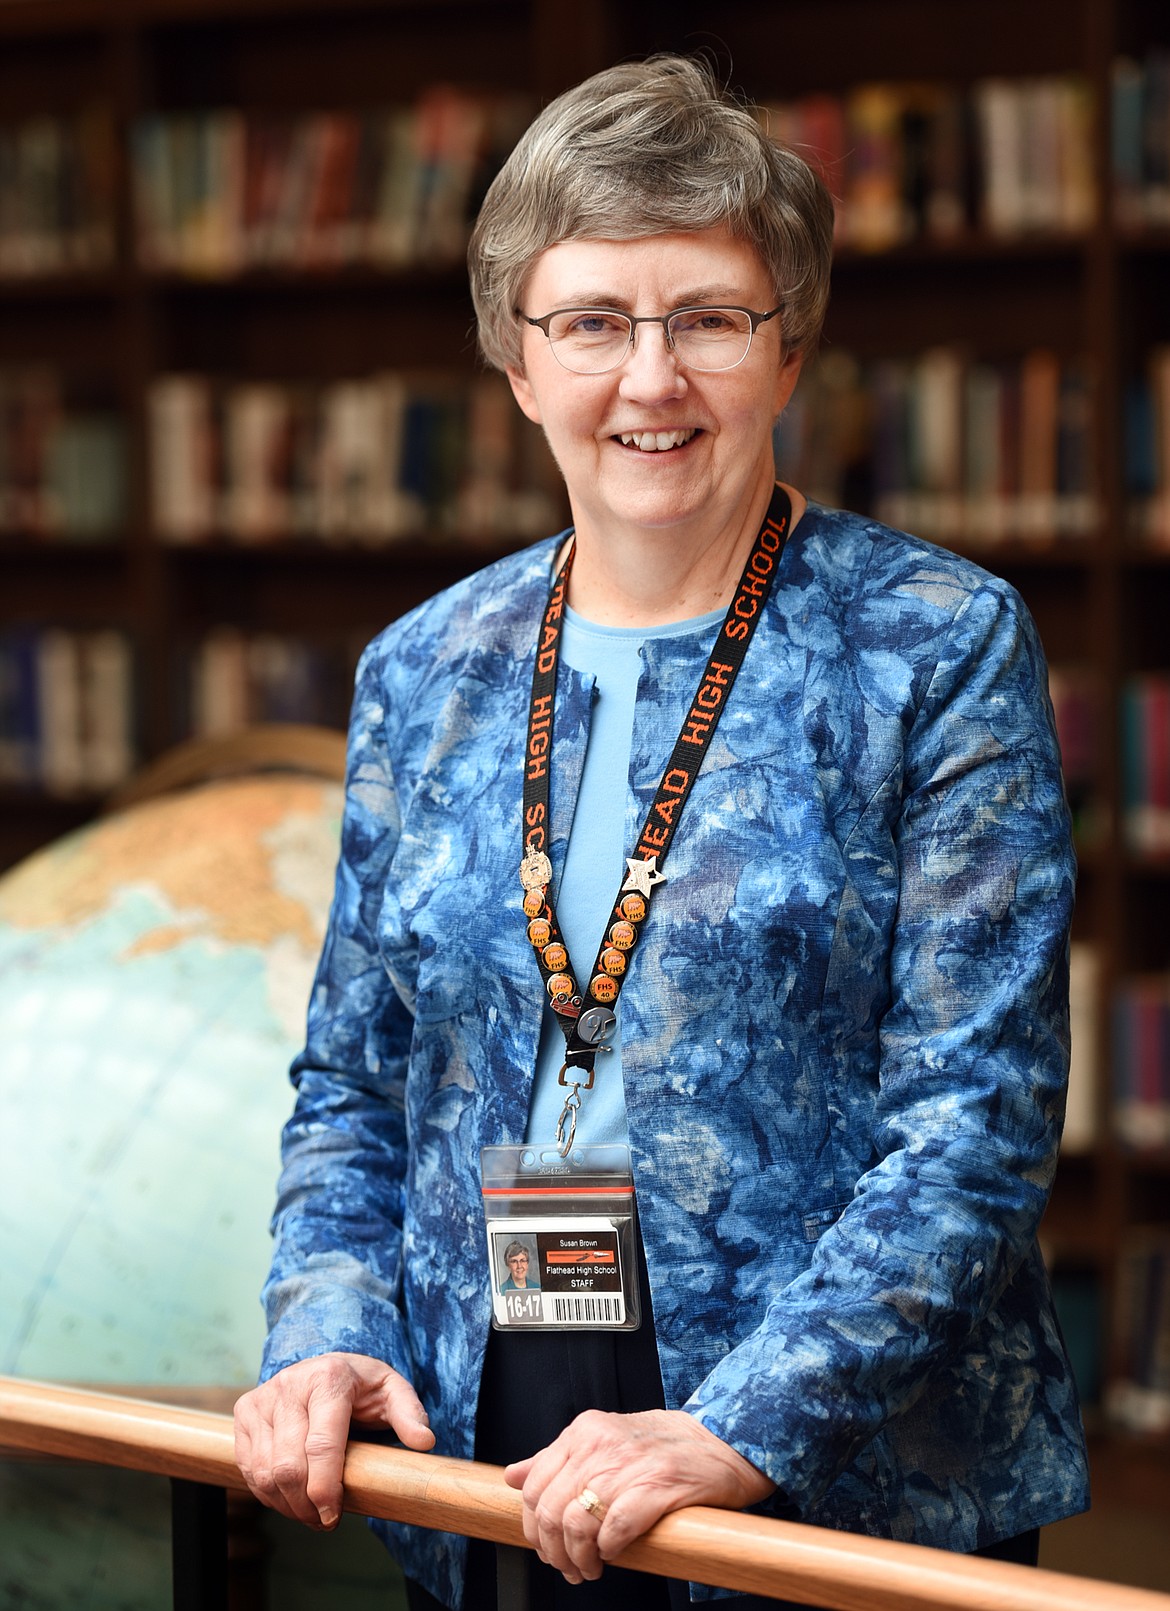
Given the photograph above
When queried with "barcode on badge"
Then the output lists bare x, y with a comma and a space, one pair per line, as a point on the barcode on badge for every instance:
576, 1311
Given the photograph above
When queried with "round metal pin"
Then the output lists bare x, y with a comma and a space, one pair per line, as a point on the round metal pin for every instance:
594, 1024
535, 870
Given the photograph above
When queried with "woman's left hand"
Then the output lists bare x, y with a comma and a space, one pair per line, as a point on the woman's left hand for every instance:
637, 1468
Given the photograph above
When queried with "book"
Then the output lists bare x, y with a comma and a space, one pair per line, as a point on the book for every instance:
1138, 1393
1081, 1131
20, 719
257, 502
332, 232
1036, 505
1077, 480
219, 684
1076, 707
987, 515
267, 145
1000, 113
1156, 137
85, 492
936, 444
814, 127
1145, 763
1140, 145
1126, 95
107, 708
354, 478
451, 128
876, 217
182, 458
1141, 1062
1157, 523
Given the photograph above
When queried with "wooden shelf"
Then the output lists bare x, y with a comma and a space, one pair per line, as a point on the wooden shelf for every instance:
99, 285
975, 248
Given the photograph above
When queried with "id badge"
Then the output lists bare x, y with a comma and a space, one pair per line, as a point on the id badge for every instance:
561, 1239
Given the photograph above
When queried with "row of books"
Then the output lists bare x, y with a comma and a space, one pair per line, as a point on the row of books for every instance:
57, 194
1131, 1326
1141, 1061
66, 709
1147, 450
62, 463
368, 461
1138, 1396
1145, 762
236, 679
1141, 139
221, 191
910, 161
947, 445
942, 444
1144, 750
1138, 1082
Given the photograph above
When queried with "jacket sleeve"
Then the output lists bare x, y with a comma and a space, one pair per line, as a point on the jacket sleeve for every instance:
973, 1062
334, 1280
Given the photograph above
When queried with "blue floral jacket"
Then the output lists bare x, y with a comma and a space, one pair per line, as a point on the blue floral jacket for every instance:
845, 1037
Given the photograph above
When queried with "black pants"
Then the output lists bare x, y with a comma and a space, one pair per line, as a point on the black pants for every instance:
533, 1384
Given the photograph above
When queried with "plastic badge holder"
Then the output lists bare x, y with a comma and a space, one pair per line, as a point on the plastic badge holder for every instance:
561, 1238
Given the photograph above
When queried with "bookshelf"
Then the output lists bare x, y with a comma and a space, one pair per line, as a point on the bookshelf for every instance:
264, 335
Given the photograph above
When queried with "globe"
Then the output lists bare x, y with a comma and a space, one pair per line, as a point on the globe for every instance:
154, 970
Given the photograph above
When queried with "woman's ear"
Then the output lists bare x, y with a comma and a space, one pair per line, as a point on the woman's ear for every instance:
523, 393
786, 380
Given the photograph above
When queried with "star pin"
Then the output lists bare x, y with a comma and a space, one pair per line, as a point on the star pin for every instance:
643, 875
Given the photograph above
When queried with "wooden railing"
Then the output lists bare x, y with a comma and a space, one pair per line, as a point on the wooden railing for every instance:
782, 1560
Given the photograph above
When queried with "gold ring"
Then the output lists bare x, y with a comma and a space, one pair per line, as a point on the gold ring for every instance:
589, 1501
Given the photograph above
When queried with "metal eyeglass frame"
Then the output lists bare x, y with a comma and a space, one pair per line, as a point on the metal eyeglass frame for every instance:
634, 319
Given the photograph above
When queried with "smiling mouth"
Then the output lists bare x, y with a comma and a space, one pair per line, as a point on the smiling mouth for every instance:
656, 441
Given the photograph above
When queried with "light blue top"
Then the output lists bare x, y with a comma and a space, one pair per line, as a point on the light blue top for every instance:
600, 840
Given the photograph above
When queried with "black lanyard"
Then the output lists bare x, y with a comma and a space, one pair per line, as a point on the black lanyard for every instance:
586, 1018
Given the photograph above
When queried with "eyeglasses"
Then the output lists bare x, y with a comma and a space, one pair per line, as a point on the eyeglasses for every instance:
592, 341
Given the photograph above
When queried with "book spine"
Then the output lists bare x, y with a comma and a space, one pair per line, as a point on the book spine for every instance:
1080, 1119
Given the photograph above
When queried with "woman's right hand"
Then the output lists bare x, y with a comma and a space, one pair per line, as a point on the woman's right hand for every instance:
291, 1432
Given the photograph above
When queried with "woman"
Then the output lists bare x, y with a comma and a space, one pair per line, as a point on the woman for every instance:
516, 1259
840, 1042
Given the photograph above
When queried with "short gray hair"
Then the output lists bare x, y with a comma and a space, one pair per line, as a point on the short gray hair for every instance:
643, 149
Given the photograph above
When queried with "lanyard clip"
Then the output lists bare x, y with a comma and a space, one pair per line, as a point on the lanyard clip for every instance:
572, 1066
569, 1117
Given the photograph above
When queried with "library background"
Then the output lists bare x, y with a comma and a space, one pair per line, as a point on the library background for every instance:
242, 427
